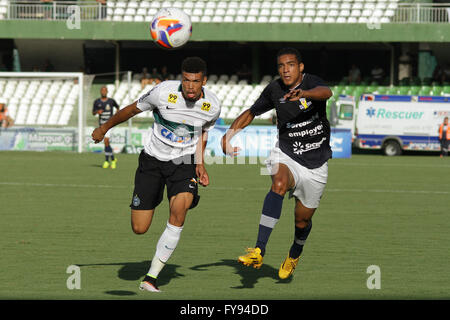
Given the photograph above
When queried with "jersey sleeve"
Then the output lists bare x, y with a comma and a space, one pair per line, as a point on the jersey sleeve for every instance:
314, 81
210, 124
263, 103
149, 100
115, 104
94, 106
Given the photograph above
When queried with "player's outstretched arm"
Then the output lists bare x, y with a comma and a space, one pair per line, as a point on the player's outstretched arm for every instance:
202, 174
244, 119
121, 116
317, 93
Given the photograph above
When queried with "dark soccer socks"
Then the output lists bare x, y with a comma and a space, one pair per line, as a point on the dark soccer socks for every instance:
109, 153
301, 234
271, 213
150, 280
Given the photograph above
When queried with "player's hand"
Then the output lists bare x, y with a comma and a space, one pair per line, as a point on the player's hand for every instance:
98, 135
99, 111
203, 177
228, 149
293, 95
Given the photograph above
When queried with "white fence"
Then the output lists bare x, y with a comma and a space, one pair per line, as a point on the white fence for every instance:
387, 12
55, 10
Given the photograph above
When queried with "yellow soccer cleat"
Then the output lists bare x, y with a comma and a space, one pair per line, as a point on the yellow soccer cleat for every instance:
113, 164
287, 268
105, 165
253, 258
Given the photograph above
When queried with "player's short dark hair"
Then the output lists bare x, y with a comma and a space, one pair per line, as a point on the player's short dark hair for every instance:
290, 50
194, 65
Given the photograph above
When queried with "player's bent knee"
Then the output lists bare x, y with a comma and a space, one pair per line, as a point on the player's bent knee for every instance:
302, 223
141, 220
138, 229
279, 186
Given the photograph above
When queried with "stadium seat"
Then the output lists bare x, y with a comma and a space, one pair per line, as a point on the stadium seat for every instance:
121, 4
263, 19
228, 19
143, 4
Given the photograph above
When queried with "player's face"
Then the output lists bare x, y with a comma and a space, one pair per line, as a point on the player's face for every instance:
192, 84
445, 120
104, 92
290, 70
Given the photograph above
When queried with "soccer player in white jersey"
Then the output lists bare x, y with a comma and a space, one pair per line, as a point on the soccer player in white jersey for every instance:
173, 154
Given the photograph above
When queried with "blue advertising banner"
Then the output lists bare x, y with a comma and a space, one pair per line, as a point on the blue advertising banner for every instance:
341, 143
258, 141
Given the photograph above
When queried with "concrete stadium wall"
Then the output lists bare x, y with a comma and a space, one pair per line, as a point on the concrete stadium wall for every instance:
326, 32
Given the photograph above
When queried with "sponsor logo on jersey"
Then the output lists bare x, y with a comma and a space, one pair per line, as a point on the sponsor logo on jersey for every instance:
172, 98
206, 106
107, 107
290, 125
299, 148
308, 132
173, 137
304, 104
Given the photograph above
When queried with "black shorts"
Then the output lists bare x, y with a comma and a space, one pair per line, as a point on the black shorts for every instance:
152, 175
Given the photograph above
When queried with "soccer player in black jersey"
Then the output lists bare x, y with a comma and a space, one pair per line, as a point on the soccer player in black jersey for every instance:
298, 162
104, 107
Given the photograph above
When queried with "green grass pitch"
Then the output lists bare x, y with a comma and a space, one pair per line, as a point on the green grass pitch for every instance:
62, 209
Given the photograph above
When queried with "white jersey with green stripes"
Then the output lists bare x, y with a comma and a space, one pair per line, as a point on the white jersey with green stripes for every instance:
178, 122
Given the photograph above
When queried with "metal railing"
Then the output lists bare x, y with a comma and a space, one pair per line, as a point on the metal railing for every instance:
422, 13
61, 10
55, 10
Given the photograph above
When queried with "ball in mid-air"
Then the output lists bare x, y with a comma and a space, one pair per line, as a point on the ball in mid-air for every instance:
171, 28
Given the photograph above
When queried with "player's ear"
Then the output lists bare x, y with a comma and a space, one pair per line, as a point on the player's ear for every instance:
205, 78
301, 66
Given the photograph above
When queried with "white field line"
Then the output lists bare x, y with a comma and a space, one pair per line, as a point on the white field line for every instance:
57, 185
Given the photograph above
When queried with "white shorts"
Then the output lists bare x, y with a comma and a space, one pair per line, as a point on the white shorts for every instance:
108, 134
309, 183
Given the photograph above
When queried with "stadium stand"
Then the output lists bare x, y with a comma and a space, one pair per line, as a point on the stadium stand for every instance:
272, 11
52, 102
40, 102
228, 11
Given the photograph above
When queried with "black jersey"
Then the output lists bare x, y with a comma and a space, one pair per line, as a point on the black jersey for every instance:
303, 128
108, 109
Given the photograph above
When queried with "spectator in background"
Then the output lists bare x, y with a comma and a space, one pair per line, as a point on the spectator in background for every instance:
155, 77
5, 120
244, 73
102, 13
48, 10
377, 74
145, 77
439, 74
444, 137
354, 74
165, 74
48, 66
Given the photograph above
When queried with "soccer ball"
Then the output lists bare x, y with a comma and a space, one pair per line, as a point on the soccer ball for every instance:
171, 28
